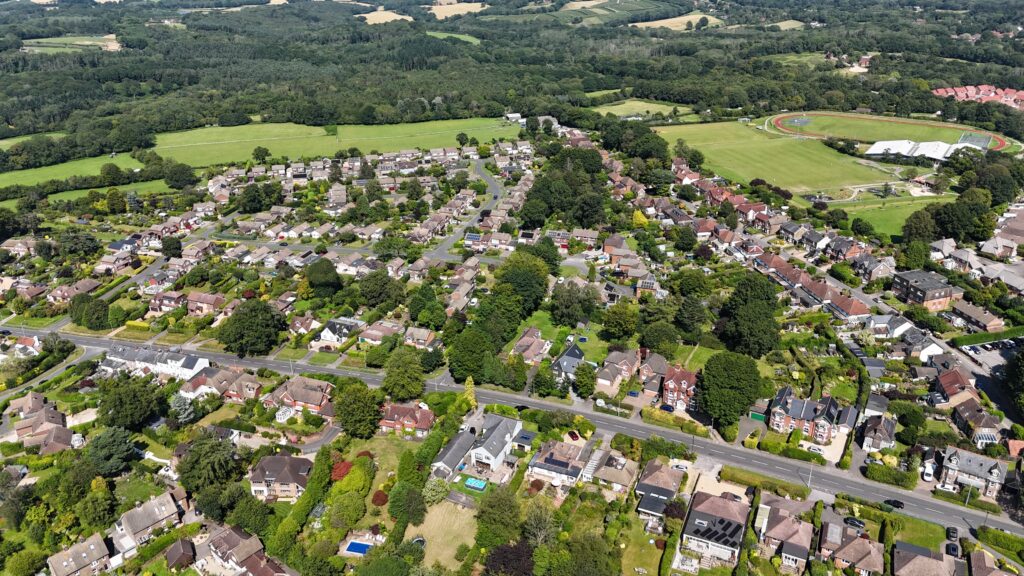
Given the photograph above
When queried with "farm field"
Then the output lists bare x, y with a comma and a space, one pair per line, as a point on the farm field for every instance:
6, 143
442, 12
679, 22
72, 44
789, 25
383, 16
82, 167
464, 37
888, 215
632, 106
741, 153
866, 128
594, 94
140, 188
219, 145
799, 58
590, 12
445, 527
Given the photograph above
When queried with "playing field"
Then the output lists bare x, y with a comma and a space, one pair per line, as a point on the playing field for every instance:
679, 22
741, 153
83, 167
635, 106
140, 188
463, 37
220, 145
448, 10
889, 215
865, 128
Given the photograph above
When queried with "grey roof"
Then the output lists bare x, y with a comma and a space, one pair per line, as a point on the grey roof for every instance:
149, 513
78, 557
971, 463
877, 403
924, 280
497, 432
455, 450
826, 409
282, 469
569, 360
716, 519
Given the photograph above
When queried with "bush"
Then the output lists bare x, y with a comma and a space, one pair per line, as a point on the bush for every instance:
1000, 539
779, 487
882, 473
973, 502
380, 498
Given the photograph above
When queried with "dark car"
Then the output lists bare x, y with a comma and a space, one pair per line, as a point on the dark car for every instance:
5, 332
953, 550
895, 504
952, 533
522, 407
283, 244
668, 408
855, 522
574, 435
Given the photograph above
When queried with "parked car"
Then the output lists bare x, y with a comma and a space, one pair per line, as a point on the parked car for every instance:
282, 244
522, 407
668, 408
929, 474
895, 503
574, 435
5, 332
854, 522
815, 449
952, 533
953, 550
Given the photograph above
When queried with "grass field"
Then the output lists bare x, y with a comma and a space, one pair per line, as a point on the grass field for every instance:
6, 143
83, 167
634, 106
742, 153
867, 128
141, 188
679, 22
383, 16
464, 37
800, 58
594, 94
888, 216
445, 527
71, 44
590, 12
219, 145
789, 25
442, 12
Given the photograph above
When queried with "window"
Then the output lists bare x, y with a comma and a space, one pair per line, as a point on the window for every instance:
701, 523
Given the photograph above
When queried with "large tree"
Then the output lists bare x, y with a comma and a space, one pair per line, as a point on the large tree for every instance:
111, 451
209, 462
571, 303
497, 518
129, 403
358, 410
527, 275
253, 329
380, 289
323, 278
728, 385
403, 374
621, 320
586, 380
751, 329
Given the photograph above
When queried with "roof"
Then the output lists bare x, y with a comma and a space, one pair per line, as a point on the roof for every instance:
282, 469
149, 513
660, 478
877, 403
78, 557
910, 560
455, 450
233, 543
180, 554
863, 553
559, 458
983, 564
973, 464
716, 519
924, 280
782, 526
497, 432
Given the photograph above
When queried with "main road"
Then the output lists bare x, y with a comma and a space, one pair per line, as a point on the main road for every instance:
824, 479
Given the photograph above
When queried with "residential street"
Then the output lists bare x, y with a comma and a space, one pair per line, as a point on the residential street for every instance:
827, 480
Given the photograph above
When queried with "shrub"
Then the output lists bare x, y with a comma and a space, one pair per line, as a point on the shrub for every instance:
380, 498
340, 470
882, 473
779, 487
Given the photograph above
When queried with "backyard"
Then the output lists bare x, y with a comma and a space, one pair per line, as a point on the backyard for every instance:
446, 527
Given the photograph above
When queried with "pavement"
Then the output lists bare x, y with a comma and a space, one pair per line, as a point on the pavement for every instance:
824, 479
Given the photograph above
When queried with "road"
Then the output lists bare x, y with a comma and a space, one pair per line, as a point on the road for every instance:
828, 480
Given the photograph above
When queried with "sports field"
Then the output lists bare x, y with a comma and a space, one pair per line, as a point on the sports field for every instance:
742, 152
83, 167
865, 128
463, 37
220, 145
679, 22
633, 106
889, 215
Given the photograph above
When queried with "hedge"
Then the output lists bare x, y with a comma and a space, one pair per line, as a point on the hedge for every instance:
158, 545
884, 474
671, 545
1004, 541
983, 337
779, 487
974, 502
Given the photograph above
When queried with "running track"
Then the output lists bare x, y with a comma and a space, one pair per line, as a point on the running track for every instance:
1001, 142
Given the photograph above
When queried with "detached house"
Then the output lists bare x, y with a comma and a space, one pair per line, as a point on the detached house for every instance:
714, 528
618, 366
336, 331
240, 554
492, 448
558, 462
406, 420
927, 289
783, 534
280, 478
976, 423
657, 486
847, 548
87, 558
300, 392
531, 347
202, 304
820, 420
564, 368
879, 434
64, 294
136, 526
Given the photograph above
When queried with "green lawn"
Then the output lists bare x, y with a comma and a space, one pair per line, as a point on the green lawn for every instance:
866, 128
293, 354
464, 37
134, 489
637, 106
694, 359
174, 338
323, 358
386, 450
597, 93
134, 335
158, 449
888, 216
639, 553
225, 412
25, 322
594, 348
6, 143
220, 145
83, 167
741, 153
158, 567
810, 59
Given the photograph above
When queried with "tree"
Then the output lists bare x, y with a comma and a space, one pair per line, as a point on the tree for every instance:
621, 320
497, 518
170, 247
111, 451
209, 462
358, 410
128, 403
96, 510
686, 240
469, 393
510, 560
252, 329
527, 275
571, 303
728, 386
380, 289
178, 175
586, 380
533, 214
25, 563
919, 226
660, 336
466, 355
323, 278
692, 315
751, 329
116, 203
182, 409
862, 227
462, 138
403, 374
250, 515
260, 154
539, 528
435, 490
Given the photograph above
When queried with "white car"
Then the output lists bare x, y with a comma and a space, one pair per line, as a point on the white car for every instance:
815, 449
929, 474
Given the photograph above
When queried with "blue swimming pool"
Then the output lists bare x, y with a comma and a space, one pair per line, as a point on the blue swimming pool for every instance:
476, 484
360, 548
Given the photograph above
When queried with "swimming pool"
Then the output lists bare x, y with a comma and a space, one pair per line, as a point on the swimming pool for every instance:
356, 547
476, 484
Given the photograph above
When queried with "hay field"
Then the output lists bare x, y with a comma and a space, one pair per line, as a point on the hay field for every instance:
679, 22
449, 10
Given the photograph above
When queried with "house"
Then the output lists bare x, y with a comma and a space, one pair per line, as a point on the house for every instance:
280, 478
714, 528
26, 405
657, 486
999, 248
531, 347
163, 302
879, 434
336, 331
87, 558
976, 423
926, 289
978, 318
678, 388
956, 386
136, 526
887, 326
984, 564
64, 294
421, 338
202, 304
495, 441
181, 554
241, 554
301, 392
614, 471
618, 366
378, 331
819, 420
34, 426
452, 455
20, 247
558, 462
847, 548
564, 367
304, 324
165, 364
871, 268
117, 263
406, 420
911, 560
783, 534
877, 405
970, 469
